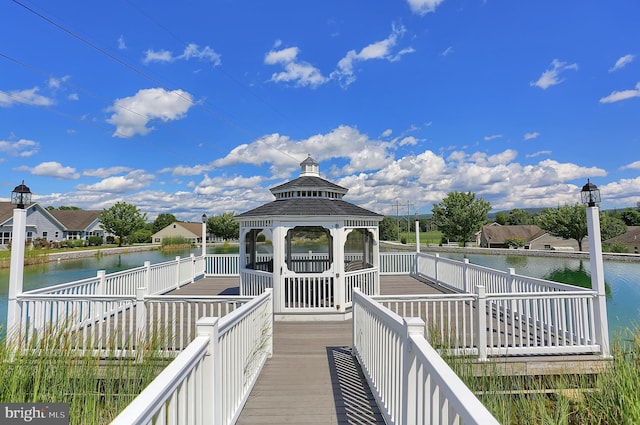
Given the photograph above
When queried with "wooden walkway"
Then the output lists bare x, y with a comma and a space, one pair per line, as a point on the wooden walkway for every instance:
313, 379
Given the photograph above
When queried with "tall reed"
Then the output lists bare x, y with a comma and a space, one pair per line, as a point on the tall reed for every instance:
610, 397
51, 368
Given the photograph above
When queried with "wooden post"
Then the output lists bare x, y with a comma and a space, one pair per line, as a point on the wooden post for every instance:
211, 375
193, 267
481, 321
414, 326
100, 290
435, 268
147, 275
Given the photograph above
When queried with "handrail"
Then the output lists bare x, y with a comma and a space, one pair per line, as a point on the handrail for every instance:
210, 381
408, 378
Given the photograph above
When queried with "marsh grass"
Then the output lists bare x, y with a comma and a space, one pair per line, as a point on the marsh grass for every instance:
51, 369
611, 397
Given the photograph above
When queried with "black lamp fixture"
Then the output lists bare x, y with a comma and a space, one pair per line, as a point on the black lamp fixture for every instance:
21, 195
204, 218
590, 194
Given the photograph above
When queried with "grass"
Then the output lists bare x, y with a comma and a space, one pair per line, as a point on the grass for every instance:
50, 369
611, 397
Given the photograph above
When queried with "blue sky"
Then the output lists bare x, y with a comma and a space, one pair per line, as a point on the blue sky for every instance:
201, 106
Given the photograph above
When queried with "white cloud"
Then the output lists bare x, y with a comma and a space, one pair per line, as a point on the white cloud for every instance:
299, 72
132, 182
422, 7
383, 49
52, 169
617, 96
531, 136
539, 153
492, 137
191, 51
447, 51
187, 170
27, 96
622, 62
410, 140
105, 172
551, 77
21, 148
132, 114
122, 45
633, 166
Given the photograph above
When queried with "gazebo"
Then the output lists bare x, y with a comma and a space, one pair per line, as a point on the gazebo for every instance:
311, 247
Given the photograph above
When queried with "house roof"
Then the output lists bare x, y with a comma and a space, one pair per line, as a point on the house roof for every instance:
6, 211
195, 228
308, 206
632, 236
499, 234
75, 220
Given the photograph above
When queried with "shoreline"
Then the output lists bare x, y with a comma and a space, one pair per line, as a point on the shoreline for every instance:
85, 253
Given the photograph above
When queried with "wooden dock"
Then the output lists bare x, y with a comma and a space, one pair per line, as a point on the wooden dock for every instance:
312, 377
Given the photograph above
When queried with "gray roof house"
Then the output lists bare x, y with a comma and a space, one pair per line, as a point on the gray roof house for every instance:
496, 236
51, 225
192, 232
631, 239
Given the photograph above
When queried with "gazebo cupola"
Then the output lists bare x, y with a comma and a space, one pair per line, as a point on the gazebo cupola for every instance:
310, 246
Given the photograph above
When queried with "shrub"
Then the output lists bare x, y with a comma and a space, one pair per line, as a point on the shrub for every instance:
95, 240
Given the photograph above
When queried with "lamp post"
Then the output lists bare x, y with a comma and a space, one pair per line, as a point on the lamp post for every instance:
591, 197
417, 233
204, 235
20, 197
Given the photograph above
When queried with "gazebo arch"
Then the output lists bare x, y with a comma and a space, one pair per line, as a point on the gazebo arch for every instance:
310, 246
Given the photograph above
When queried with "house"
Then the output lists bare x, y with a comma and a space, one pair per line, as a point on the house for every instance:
497, 236
631, 239
192, 232
50, 225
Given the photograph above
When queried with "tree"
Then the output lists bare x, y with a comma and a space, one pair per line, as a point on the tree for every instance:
460, 215
518, 217
224, 226
388, 229
630, 216
610, 227
162, 221
569, 222
122, 220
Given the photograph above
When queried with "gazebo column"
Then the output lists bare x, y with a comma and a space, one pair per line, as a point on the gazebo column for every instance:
279, 236
376, 257
339, 240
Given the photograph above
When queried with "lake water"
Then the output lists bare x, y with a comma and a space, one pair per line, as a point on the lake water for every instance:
622, 278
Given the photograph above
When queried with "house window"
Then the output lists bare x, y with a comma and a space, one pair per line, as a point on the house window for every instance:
44, 235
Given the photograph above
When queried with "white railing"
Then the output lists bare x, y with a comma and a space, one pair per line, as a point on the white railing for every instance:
410, 381
306, 292
114, 324
513, 324
254, 282
397, 263
364, 279
391, 263
209, 382
462, 276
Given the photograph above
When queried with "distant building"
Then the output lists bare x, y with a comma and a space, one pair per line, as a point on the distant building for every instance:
497, 236
50, 225
192, 232
631, 239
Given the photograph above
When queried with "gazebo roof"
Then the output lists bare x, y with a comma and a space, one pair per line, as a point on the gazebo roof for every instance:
309, 182
309, 195
309, 207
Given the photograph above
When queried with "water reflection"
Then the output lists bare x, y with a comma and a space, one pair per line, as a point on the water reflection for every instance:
578, 277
